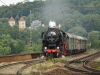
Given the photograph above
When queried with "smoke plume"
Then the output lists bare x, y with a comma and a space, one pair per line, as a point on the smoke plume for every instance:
55, 10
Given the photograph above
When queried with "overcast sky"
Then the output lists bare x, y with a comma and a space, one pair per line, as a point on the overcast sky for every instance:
7, 2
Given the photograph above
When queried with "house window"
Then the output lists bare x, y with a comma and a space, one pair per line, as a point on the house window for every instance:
22, 23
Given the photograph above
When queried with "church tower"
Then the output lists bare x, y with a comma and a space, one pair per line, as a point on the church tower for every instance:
22, 23
12, 21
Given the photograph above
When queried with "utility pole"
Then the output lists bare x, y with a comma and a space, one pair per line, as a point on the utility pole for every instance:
31, 44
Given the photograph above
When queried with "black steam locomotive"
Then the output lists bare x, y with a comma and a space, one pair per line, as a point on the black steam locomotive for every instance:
54, 42
58, 43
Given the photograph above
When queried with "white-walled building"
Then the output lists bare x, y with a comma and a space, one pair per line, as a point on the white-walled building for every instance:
22, 23
35, 24
11, 21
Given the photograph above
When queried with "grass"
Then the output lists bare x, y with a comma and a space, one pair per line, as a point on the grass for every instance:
98, 64
42, 67
91, 51
61, 60
99, 67
97, 61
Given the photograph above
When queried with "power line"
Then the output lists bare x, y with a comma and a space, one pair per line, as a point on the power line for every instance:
3, 3
9, 8
7, 5
71, 7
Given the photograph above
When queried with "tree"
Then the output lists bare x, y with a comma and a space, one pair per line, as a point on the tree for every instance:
29, 18
4, 50
15, 32
10, 46
91, 22
20, 46
24, 35
5, 28
17, 18
37, 48
78, 31
4, 47
94, 39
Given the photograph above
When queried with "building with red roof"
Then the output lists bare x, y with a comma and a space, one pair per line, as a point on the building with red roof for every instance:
22, 23
12, 21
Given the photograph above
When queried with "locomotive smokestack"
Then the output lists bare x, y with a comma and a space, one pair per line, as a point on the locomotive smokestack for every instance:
52, 24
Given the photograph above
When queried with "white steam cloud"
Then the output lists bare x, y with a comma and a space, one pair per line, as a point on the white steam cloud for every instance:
52, 24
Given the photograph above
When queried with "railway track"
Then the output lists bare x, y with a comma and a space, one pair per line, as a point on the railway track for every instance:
9, 65
13, 68
20, 67
80, 64
19, 72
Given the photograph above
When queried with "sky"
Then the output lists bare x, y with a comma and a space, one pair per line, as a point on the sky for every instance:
8, 2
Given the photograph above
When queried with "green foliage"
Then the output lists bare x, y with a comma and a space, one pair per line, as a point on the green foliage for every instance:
24, 35
94, 39
37, 48
68, 13
29, 18
15, 32
78, 31
62, 60
5, 50
26, 49
4, 26
91, 22
19, 47
10, 46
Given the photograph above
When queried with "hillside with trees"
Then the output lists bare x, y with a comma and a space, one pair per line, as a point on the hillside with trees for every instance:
79, 17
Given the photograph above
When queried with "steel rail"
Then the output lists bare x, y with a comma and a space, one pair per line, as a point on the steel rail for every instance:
26, 62
19, 72
88, 67
86, 70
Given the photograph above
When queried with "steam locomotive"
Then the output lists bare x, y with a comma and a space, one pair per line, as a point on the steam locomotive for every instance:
59, 43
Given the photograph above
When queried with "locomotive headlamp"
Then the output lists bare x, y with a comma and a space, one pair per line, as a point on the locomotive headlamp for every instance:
45, 47
57, 47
